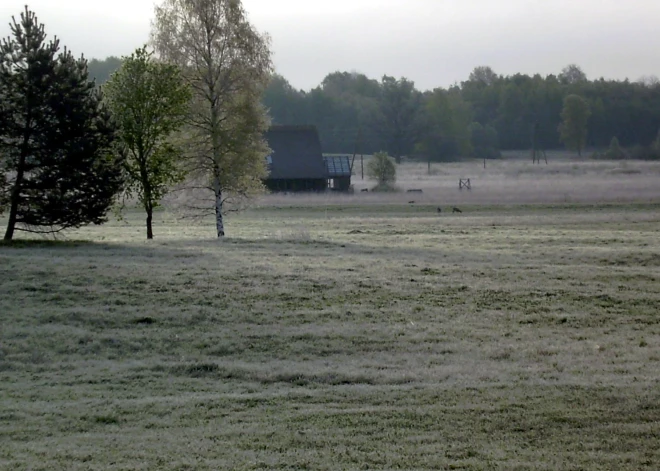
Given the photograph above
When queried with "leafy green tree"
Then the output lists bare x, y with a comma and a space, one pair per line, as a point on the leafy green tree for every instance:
228, 65
482, 92
484, 141
437, 134
399, 105
149, 101
350, 124
56, 136
382, 168
575, 118
285, 104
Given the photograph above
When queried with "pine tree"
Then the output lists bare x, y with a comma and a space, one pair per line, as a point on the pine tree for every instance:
55, 136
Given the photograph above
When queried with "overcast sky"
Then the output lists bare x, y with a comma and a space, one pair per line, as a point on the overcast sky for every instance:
432, 42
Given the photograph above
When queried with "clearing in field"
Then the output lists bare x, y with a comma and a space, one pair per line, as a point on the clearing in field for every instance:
345, 333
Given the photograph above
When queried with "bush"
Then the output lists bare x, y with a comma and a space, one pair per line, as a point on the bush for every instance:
381, 167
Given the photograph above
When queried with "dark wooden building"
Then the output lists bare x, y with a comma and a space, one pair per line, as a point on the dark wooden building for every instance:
296, 161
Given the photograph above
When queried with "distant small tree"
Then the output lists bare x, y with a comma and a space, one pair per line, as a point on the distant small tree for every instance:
149, 101
382, 168
615, 152
573, 128
572, 74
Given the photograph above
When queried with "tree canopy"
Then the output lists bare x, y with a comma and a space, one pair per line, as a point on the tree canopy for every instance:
435, 124
149, 101
55, 137
354, 112
227, 64
575, 118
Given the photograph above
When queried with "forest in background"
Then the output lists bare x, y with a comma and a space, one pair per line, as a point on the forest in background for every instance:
476, 118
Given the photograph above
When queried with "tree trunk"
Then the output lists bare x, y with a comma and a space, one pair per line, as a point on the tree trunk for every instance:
15, 196
148, 203
219, 224
13, 211
150, 232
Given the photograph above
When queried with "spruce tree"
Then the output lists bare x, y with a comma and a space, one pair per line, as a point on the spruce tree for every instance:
55, 136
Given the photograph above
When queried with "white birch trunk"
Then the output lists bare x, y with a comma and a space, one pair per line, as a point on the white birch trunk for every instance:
219, 223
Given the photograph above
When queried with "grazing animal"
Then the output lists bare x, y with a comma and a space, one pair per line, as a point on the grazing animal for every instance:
411, 202
365, 190
439, 209
414, 191
456, 210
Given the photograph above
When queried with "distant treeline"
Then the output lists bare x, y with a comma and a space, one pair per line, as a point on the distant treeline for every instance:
483, 114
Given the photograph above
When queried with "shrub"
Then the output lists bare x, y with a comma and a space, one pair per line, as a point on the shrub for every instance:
381, 167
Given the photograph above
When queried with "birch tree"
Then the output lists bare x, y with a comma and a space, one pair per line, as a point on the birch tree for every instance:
227, 64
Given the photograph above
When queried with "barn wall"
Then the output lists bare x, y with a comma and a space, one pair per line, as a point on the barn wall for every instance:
297, 185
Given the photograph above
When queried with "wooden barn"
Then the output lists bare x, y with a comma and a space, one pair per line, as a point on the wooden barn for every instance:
296, 162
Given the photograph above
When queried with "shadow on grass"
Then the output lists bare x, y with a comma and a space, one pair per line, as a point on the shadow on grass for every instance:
44, 243
331, 378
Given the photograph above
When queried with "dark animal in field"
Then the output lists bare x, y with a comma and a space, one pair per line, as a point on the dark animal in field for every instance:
414, 191
456, 210
411, 202
365, 190
439, 209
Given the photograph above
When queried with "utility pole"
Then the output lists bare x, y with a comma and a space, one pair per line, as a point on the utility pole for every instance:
362, 164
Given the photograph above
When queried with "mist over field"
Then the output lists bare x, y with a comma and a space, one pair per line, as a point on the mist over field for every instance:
511, 181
